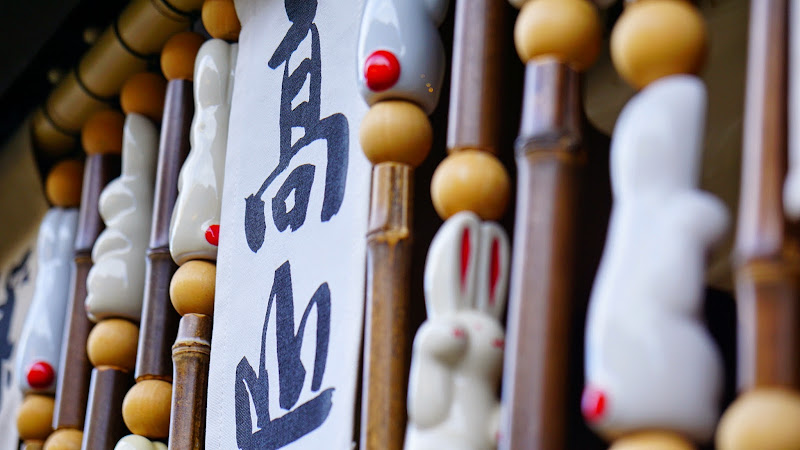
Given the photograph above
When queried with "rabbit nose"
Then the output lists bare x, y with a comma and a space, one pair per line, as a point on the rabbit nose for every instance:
381, 70
593, 403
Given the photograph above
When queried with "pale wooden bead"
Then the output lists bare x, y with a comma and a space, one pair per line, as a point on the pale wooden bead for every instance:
32, 445
471, 180
102, 132
178, 54
64, 439
64, 184
220, 19
652, 440
656, 38
568, 30
146, 408
396, 131
143, 93
192, 288
136, 442
35, 417
113, 343
763, 418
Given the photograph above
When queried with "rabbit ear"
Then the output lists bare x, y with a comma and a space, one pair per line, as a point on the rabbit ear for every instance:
451, 265
492, 270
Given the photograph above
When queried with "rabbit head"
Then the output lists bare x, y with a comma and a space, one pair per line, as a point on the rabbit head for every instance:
466, 277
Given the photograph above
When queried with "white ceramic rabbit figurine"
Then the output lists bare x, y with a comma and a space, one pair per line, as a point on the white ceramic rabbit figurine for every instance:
650, 362
400, 53
39, 344
458, 352
194, 229
115, 285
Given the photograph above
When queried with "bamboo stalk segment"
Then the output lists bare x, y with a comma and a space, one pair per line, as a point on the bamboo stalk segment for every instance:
121, 51
768, 408
102, 141
555, 39
190, 355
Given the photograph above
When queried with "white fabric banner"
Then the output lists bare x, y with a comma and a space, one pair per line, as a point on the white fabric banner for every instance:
290, 276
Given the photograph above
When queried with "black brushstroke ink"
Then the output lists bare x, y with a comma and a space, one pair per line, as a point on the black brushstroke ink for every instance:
17, 277
299, 182
299, 420
334, 129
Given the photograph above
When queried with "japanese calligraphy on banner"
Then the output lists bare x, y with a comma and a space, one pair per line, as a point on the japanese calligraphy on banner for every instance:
290, 268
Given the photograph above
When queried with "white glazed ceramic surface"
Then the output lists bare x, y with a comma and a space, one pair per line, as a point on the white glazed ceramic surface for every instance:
791, 188
135, 442
43, 330
115, 285
200, 183
407, 29
458, 352
648, 353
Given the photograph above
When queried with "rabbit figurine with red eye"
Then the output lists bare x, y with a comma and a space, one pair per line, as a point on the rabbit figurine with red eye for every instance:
458, 352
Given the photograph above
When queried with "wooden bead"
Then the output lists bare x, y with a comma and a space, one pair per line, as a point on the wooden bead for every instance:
177, 57
763, 418
113, 343
471, 180
143, 94
135, 442
568, 30
64, 183
192, 288
652, 440
102, 132
657, 38
396, 131
32, 445
146, 408
35, 417
64, 439
220, 19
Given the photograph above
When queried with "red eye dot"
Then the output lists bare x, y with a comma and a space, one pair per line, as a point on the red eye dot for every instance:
40, 375
593, 403
382, 70
499, 343
212, 235
459, 333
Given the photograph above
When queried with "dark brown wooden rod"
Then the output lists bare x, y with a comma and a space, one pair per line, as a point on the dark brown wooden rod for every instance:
387, 342
75, 369
550, 161
104, 425
190, 356
475, 81
766, 297
159, 323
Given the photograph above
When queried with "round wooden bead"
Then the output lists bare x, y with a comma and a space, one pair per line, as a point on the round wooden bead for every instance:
763, 418
35, 417
220, 19
652, 440
143, 94
64, 184
113, 343
192, 288
568, 30
471, 180
396, 131
64, 439
135, 442
146, 408
178, 54
102, 132
657, 38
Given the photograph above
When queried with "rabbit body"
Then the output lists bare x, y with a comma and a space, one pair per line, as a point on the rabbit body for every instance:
115, 284
458, 352
649, 357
